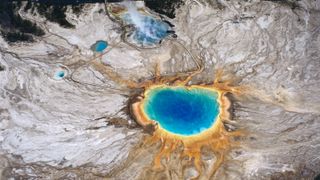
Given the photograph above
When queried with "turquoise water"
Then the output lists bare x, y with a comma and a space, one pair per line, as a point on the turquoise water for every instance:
182, 111
99, 46
59, 75
152, 31
148, 30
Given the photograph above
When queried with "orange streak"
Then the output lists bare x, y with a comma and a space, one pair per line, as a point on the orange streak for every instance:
216, 137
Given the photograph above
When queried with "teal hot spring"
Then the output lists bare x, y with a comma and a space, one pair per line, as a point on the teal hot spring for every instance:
182, 111
99, 46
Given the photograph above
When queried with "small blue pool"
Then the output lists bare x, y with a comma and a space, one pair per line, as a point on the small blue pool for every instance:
182, 111
99, 46
59, 75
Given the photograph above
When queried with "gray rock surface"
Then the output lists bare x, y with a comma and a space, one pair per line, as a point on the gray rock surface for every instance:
78, 127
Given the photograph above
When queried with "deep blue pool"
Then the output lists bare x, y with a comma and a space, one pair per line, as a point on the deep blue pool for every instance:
99, 46
182, 111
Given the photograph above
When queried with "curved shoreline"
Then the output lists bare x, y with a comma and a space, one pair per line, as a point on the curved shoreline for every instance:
142, 119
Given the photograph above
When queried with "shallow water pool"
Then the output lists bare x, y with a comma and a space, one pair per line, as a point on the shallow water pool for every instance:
58, 75
152, 31
99, 46
148, 30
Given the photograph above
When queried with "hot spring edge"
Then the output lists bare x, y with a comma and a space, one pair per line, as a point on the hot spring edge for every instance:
201, 102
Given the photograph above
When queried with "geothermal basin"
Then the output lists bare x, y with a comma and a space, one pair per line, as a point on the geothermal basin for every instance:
179, 110
150, 30
146, 29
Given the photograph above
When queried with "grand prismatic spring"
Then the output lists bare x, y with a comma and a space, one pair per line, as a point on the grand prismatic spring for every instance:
186, 119
180, 110
160, 89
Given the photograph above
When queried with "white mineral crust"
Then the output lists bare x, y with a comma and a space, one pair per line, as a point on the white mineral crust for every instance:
61, 128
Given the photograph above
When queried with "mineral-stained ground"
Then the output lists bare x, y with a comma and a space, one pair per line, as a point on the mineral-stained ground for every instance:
79, 126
